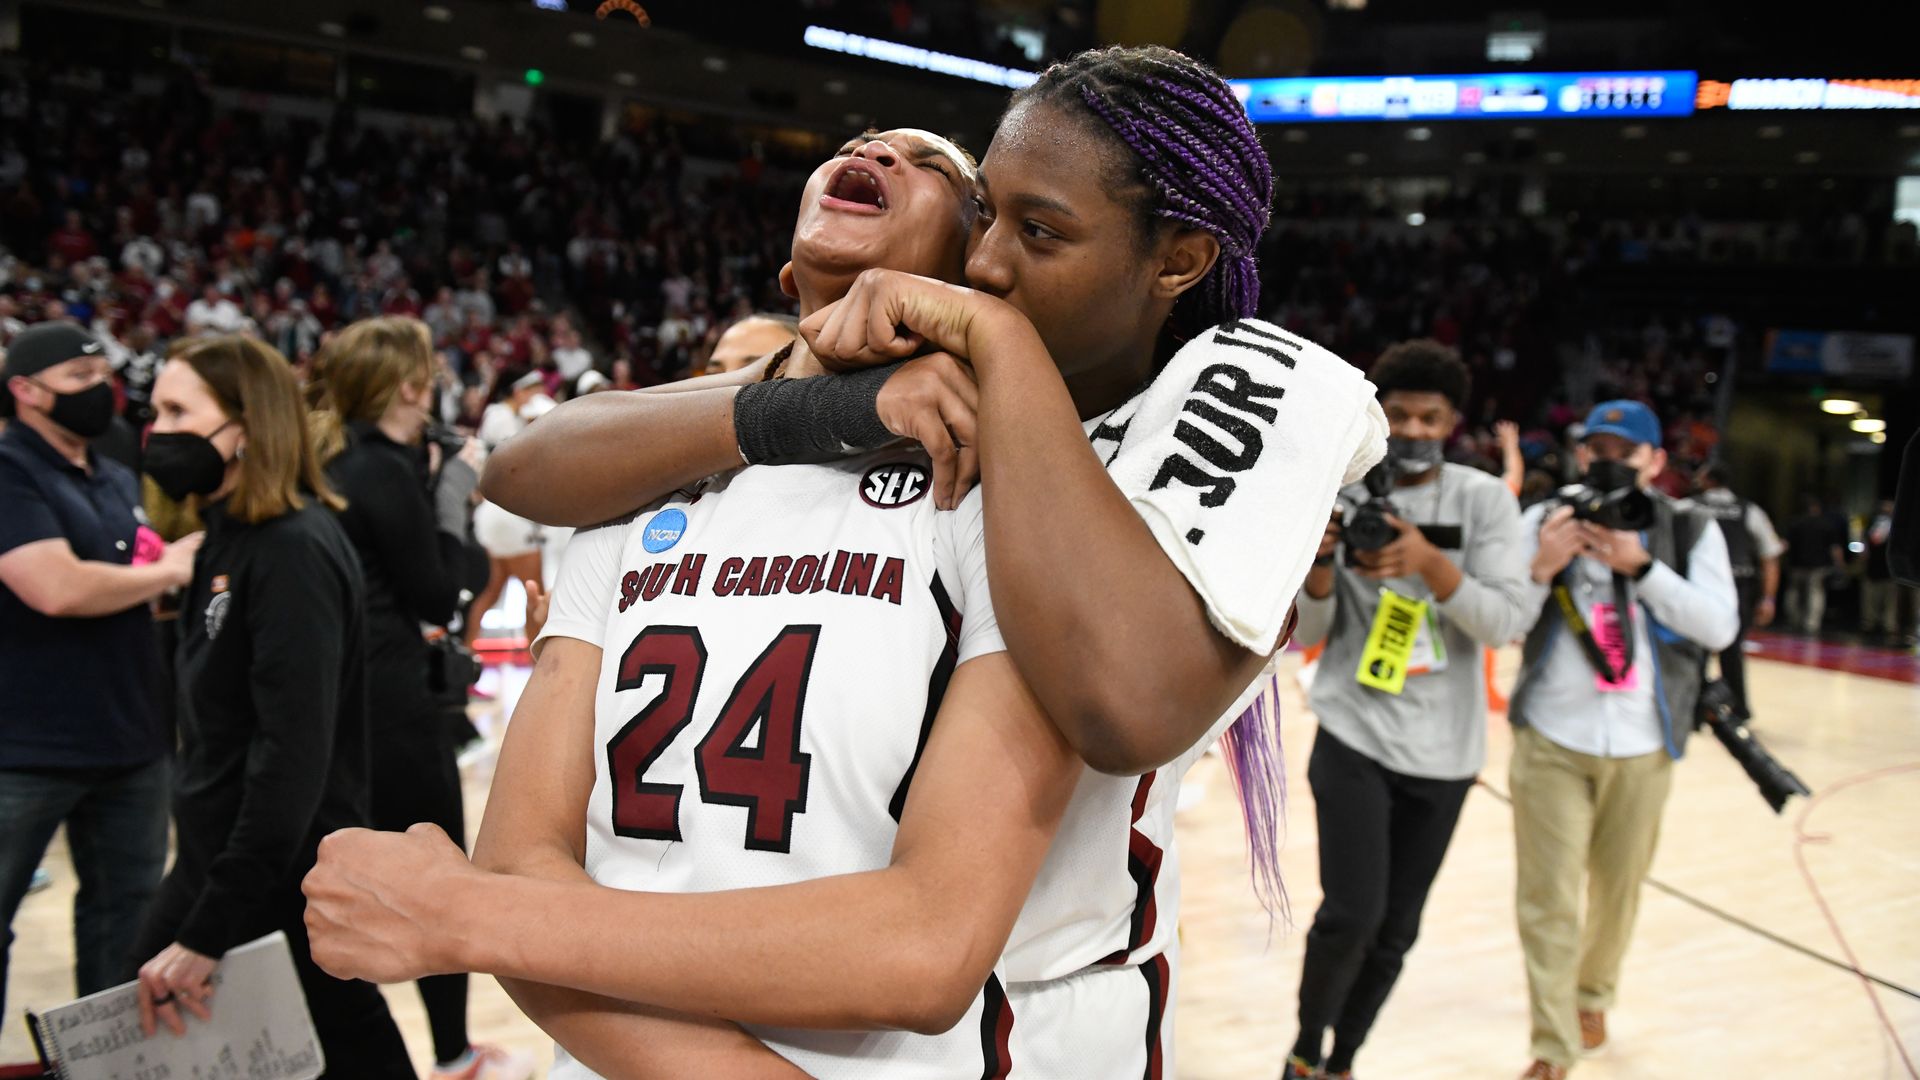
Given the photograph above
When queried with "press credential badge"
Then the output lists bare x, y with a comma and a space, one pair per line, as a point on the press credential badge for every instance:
1404, 641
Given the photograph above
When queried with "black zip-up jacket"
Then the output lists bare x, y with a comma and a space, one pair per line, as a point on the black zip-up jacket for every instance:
273, 720
415, 572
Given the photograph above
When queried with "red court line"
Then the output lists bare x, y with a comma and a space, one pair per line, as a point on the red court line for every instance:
1868, 660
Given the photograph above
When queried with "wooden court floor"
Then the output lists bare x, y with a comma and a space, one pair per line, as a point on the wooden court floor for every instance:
1699, 998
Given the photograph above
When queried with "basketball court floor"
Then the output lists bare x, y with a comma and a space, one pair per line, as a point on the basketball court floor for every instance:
1734, 971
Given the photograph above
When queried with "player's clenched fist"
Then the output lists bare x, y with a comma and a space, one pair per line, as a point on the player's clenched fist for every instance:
376, 903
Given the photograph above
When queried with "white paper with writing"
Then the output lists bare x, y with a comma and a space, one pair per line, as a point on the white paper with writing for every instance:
260, 1029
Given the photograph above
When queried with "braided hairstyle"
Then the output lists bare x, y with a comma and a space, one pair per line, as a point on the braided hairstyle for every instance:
1193, 159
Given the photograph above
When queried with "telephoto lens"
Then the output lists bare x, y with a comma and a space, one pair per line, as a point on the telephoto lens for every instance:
1776, 782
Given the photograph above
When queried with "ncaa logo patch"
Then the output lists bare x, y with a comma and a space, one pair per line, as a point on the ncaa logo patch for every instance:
664, 531
899, 483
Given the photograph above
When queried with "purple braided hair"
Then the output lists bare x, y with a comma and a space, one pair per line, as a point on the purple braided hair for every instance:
1198, 155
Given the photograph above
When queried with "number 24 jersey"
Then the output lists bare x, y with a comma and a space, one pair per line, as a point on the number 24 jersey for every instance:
774, 651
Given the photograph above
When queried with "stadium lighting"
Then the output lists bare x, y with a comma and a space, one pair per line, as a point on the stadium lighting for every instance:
1838, 406
1867, 425
535, 76
892, 52
1877, 438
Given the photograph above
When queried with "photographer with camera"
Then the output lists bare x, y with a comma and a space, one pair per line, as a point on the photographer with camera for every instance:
410, 524
1642, 586
1431, 573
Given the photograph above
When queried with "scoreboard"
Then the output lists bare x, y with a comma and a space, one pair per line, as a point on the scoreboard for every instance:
1530, 95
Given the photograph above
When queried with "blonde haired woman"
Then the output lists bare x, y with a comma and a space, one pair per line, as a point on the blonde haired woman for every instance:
373, 397
272, 685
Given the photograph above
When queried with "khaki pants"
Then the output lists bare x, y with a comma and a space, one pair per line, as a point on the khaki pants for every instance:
1576, 815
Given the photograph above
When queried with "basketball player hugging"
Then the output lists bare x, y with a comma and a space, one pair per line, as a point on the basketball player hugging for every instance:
776, 795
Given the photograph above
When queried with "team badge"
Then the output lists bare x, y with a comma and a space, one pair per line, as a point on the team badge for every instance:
899, 483
664, 531
217, 613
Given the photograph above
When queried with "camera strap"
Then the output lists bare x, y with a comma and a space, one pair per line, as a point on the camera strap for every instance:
1582, 631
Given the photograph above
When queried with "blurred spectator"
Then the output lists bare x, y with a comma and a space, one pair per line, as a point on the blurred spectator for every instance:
373, 398
1753, 552
1883, 600
214, 313
1816, 553
750, 339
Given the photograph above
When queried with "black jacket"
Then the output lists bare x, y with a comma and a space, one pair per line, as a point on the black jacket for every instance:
1903, 545
415, 572
273, 719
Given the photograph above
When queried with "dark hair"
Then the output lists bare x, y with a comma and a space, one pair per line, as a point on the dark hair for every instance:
1196, 160
1718, 473
503, 380
1422, 366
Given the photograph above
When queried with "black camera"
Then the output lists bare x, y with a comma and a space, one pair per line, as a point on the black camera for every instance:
1367, 528
449, 441
1609, 496
1776, 782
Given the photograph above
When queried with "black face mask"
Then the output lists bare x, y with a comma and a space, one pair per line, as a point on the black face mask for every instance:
184, 464
1604, 475
1415, 457
87, 413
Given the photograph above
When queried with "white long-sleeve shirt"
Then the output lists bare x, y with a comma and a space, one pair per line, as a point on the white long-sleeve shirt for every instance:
1566, 705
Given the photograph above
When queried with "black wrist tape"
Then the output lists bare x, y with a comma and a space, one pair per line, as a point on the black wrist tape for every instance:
784, 420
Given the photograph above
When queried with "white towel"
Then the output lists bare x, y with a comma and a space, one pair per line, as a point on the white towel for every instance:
1233, 456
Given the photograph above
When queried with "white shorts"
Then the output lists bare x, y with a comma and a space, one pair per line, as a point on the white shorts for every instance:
1111, 1023
1108, 1023
504, 535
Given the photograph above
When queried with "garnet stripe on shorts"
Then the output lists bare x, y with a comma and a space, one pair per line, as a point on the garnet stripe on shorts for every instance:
1155, 972
996, 1031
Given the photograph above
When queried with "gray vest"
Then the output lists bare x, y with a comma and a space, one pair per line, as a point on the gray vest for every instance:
1679, 665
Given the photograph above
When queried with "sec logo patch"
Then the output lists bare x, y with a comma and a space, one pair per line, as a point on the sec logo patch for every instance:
664, 531
900, 483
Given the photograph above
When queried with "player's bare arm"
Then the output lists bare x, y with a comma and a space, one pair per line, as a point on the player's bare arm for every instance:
1132, 675
535, 827
905, 947
603, 455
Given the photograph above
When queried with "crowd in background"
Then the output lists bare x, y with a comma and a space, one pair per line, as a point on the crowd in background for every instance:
549, 268
149, 218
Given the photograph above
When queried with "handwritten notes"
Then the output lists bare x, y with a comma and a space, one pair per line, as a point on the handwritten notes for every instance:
260, 1028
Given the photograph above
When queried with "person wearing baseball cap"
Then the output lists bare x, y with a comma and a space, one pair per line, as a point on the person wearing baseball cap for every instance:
82, 739
1609, 679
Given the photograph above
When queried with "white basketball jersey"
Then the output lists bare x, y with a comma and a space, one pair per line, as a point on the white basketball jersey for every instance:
1109, 892
775, 648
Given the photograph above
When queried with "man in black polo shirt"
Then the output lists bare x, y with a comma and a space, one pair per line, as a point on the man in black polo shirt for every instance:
81, 739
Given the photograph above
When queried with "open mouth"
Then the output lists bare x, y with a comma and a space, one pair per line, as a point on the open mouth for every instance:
858, 184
